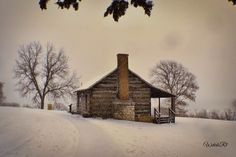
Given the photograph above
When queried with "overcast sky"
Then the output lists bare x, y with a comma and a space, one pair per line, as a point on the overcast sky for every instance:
200, 34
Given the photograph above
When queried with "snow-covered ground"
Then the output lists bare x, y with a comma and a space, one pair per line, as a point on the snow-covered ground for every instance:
36, 133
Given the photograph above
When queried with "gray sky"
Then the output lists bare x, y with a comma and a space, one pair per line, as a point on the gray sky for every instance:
200, 34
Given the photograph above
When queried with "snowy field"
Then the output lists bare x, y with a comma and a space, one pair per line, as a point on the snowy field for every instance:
36, 133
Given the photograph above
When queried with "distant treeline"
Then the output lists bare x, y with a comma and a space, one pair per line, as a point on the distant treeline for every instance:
56, 106
227, 114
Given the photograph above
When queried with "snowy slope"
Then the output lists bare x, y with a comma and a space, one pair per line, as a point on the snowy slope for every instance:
37, 133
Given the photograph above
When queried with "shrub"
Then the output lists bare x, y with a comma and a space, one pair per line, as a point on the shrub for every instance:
215, 114
12, 104
202, 114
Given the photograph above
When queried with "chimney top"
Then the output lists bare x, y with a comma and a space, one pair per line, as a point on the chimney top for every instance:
122, 54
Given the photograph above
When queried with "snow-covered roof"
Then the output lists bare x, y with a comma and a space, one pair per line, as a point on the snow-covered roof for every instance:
155, 92
89, 84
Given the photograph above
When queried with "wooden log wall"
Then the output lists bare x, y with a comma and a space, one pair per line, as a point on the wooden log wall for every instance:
141, 95
102, 96
83, 102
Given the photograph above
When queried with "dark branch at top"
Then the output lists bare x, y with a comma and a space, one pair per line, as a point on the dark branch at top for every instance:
145, 4
234, 1
67, 3
61, 4
43, 4
117, 8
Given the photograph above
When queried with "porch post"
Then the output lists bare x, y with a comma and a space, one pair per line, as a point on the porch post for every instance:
173, 105
159, 107
78, 102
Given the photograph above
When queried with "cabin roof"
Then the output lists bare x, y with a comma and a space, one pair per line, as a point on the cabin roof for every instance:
155, 92
93, 82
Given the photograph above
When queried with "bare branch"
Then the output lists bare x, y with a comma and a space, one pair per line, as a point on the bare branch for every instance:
26, 70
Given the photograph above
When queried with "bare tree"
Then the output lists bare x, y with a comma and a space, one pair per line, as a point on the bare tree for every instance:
229, 114
42, 74
234, 105
176, 79
234, 109
1, 93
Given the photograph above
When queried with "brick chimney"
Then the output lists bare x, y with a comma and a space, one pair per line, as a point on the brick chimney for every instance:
123, 84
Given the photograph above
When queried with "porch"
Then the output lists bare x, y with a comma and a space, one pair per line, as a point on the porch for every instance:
160, 116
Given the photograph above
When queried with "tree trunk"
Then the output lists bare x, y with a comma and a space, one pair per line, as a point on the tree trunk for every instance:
42, 103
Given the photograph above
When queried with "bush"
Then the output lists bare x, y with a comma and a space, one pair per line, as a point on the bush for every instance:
215, 114
191, 114
229, 114
12, 104
60, 106
202, 114
31, 106
86, 115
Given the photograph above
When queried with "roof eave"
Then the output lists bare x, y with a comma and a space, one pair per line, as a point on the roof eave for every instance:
158, 93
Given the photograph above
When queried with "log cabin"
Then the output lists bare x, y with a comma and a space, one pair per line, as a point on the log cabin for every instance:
122, 94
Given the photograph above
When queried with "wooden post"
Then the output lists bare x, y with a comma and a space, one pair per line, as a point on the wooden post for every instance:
70, 108
159, 107
78, 102
173, 103
173, 106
